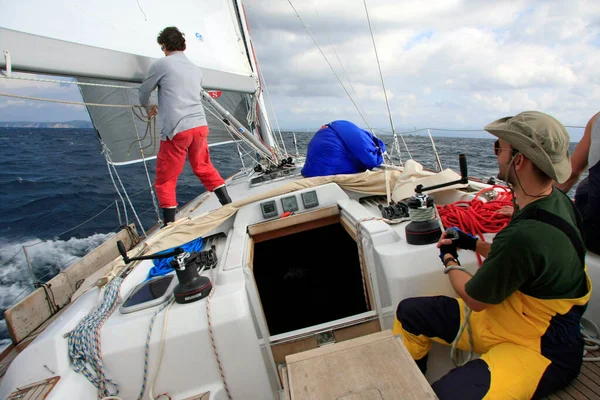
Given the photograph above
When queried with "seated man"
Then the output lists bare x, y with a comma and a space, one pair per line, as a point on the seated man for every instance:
341, 147
587, 196
528, 296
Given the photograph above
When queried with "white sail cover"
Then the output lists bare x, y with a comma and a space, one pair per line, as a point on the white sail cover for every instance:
124, 134
116, 39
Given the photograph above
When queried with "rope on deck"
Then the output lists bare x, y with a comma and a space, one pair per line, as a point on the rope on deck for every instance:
84, 343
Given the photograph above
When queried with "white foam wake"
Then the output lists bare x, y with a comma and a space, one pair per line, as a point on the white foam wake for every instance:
47, 257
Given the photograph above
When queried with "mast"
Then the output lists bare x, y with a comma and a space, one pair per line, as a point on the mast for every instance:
267, 131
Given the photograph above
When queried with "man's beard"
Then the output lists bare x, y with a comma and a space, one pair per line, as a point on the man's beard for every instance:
502, 175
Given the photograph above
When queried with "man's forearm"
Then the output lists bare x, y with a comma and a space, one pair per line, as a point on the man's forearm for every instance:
144, 94
483, 248
458, 280
149, 84
569, 183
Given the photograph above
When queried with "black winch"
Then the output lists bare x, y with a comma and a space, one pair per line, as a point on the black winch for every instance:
192, 287
424, 227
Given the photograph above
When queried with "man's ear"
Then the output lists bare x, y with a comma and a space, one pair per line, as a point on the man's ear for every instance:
518, 161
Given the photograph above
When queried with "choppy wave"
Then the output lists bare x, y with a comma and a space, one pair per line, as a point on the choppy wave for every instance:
47, 258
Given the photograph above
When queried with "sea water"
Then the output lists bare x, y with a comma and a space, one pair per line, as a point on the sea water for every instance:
58, 200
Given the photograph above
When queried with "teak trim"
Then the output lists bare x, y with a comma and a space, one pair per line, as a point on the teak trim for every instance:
294, 224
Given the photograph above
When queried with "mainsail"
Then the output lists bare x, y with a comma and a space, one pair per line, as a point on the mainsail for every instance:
125, 132
98, 45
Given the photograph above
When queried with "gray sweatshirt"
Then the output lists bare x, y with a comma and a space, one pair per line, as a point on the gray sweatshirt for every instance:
179, 84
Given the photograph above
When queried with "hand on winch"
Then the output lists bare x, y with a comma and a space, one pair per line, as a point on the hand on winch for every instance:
453, 239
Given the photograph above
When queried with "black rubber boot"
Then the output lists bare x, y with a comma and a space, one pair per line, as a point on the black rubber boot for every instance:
222, 195
168, 215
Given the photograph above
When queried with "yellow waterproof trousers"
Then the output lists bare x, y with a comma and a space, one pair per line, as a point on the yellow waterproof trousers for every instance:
529, 347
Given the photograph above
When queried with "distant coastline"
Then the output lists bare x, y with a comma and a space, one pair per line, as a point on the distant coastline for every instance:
79, 124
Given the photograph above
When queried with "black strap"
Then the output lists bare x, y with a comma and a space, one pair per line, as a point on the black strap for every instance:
541, 215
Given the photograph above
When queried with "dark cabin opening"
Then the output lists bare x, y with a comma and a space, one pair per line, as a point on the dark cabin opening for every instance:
309, 278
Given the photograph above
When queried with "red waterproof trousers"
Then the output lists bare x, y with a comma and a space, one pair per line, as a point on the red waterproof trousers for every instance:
171, 159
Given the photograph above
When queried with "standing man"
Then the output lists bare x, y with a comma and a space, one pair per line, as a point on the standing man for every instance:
529, 294
184, 129
587, 196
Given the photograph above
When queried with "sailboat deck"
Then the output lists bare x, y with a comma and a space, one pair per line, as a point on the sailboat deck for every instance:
586, 386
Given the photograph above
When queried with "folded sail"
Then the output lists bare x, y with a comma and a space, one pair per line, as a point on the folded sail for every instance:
123, 131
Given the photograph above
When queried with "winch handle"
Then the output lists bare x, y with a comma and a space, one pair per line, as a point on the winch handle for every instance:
464, 177
123, 251
462, 162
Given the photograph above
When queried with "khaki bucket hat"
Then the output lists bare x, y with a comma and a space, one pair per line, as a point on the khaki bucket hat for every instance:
540, 138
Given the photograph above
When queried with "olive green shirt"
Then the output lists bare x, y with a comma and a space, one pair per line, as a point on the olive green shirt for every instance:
532, 257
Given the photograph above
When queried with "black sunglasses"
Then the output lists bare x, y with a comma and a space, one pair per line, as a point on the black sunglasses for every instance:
498, 149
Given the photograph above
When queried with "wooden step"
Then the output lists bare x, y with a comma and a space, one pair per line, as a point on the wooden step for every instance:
371, 367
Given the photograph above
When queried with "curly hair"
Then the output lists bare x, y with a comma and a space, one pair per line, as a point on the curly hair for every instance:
172, 38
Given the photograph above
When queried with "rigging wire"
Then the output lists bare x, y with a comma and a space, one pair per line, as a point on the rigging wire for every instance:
72, 229
140, 7
11, 258
387, 103
335, 51
435, 152
264, 84
233, 133
106, 153
295, 143
329, 63
149, 121
76, 103
128, 200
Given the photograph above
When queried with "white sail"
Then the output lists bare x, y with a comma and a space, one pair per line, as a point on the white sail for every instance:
93, 40
97, 45
124, 134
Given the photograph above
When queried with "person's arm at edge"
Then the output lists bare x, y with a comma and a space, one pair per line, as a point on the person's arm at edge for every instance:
149, 85
458, 280
579, 159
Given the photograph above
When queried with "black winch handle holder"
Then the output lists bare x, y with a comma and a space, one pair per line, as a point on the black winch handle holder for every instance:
464, 177
123, 251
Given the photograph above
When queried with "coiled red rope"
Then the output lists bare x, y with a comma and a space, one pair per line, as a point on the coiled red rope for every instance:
477, 216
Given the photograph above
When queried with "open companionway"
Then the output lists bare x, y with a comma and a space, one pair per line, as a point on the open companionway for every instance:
309, 278
312, 285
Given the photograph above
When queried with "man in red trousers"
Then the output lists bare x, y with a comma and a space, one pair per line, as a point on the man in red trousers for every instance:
184, 129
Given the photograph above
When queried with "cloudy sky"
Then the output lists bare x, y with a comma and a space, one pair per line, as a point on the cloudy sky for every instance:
453, 64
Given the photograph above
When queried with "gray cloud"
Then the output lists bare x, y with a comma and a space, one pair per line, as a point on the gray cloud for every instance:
455, 64
463, 63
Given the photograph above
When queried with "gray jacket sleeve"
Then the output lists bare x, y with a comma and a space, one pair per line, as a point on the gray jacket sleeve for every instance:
149, 84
